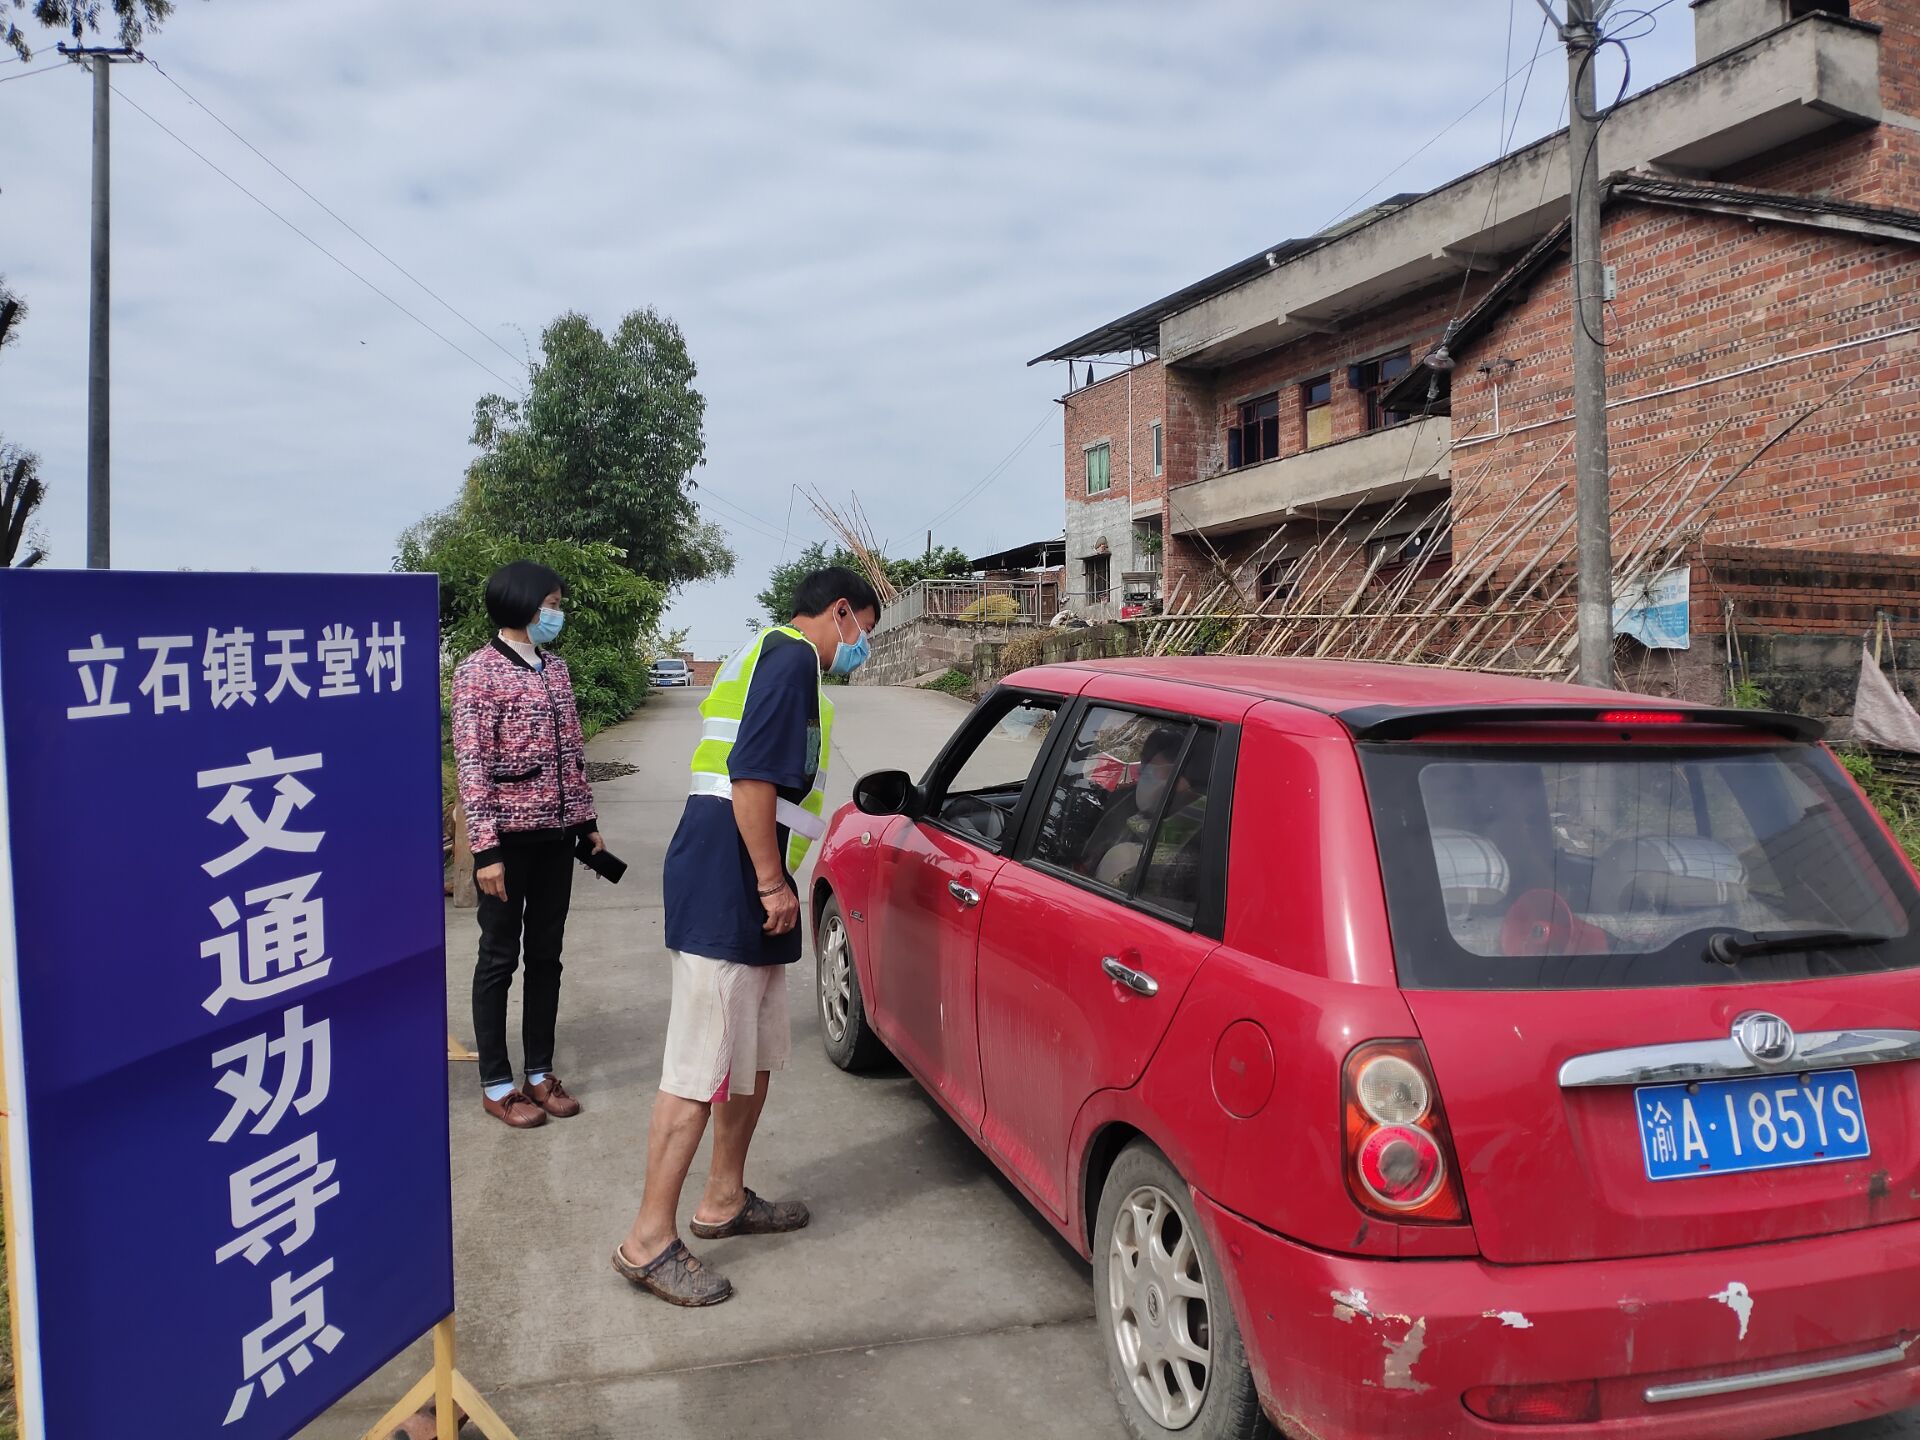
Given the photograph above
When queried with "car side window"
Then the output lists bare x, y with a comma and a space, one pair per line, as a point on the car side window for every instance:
980, 796
1126, 815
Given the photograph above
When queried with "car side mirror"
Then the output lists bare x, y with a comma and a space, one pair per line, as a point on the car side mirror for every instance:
885, 792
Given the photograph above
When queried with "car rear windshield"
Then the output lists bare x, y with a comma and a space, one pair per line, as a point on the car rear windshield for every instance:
1562, 867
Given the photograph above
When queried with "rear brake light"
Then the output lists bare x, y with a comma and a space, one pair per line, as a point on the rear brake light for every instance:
1567, 1403
1642, 717
1400, 1163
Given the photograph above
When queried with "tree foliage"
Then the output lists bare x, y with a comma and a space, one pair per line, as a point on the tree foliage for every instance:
610, 610
602, 449
130, 19
776, 601
21, 489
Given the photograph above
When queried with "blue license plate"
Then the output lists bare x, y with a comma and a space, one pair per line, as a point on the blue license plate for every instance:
1721, 1127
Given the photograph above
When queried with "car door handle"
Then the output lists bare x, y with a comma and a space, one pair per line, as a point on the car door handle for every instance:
961, 893
1137, 981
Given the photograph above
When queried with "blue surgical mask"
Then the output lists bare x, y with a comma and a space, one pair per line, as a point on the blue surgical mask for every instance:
849, 658
546, 626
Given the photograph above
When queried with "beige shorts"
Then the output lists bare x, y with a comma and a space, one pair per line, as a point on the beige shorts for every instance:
728, 1022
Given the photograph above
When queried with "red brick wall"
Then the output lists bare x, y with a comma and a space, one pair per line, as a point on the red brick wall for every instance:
1880, 165
1801, 592
1701, 296
1099, 412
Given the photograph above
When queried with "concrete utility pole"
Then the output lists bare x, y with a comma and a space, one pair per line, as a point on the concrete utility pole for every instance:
99, 473
1591, 484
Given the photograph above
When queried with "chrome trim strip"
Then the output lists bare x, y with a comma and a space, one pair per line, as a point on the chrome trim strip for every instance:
1728, 1060
1765, 1379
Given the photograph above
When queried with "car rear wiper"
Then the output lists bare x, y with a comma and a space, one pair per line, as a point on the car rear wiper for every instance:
1723, 949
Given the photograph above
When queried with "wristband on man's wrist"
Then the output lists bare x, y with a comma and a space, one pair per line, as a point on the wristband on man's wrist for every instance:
771, 890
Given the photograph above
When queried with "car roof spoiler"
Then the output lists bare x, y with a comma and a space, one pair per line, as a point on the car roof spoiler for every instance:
1405, 722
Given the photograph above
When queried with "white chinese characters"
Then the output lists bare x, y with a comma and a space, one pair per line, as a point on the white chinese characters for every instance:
231, 669
272, 940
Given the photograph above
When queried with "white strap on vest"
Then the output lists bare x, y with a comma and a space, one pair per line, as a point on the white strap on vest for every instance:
801, 822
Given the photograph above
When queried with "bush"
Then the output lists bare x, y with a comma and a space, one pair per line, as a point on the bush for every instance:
1885, 797
1746, 695
954, 682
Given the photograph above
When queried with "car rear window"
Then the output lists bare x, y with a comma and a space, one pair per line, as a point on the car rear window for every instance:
1561, 867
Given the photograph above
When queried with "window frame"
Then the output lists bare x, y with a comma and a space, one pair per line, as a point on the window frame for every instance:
1373, 390
1237, 448
1159, 448
994, 707
1087, 452
1308, 409
1210, 906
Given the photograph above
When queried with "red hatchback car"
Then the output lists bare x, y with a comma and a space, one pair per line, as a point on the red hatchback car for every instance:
1415, 1053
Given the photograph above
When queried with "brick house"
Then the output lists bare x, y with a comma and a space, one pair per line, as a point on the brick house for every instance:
1762, 229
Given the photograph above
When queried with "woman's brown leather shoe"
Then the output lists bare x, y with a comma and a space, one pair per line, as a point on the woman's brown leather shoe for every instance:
515, 1109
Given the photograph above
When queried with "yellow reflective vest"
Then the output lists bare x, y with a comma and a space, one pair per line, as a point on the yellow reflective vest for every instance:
722, 711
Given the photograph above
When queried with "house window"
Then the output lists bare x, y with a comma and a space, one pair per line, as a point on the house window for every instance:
1276, 579
1395, 552
1099, 468
1147, 544
1159, 453
1316, 404
1099, 579
1257, 436
1375, 379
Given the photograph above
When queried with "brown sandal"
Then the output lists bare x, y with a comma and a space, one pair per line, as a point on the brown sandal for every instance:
757, 1217
676, 1276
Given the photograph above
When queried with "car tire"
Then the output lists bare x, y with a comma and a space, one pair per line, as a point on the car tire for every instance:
844, 1029
1160, 1302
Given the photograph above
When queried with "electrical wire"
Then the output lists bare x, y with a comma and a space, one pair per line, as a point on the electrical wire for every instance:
980, 486
438, 335
344, 223
29, 74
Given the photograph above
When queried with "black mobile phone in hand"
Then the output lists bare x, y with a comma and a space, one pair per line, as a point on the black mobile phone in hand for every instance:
603, 863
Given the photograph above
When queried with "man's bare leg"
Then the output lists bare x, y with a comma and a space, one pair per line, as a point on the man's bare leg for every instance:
673, 1138
733, 1126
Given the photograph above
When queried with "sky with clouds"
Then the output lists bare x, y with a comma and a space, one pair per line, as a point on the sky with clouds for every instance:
866, 216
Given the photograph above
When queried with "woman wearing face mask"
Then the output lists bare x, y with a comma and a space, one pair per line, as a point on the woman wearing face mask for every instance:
523, 783
1121, 836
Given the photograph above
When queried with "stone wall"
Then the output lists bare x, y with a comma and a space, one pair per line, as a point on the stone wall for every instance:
906, 652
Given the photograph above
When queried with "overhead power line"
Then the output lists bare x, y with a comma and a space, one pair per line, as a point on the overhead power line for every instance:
443, 338
980, 486
342, 220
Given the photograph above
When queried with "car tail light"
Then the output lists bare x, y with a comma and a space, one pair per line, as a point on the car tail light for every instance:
1400, 1163
1568, 1403
1642, 717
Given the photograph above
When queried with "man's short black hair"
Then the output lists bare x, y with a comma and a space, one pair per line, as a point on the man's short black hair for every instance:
516, 592
823, 589
1163, 744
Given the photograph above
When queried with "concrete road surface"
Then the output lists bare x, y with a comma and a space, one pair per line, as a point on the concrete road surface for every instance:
927, 1300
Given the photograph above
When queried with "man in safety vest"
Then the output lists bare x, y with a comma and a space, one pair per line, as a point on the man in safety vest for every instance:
733, 926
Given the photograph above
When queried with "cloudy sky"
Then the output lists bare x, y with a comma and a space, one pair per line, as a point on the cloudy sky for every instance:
867, 216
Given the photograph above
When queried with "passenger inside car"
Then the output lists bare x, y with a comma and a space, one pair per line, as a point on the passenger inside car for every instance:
1114, 851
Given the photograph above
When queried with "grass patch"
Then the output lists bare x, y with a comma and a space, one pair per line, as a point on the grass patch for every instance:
954, 682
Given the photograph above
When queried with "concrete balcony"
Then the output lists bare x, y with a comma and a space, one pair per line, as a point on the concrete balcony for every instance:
1338, 476
1818, 71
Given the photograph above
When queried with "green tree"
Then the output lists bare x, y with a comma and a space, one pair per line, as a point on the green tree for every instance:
21, 489
75, 16
602, 449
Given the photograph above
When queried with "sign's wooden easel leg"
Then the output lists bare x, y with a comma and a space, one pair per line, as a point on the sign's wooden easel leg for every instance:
457, 1051
446, 1387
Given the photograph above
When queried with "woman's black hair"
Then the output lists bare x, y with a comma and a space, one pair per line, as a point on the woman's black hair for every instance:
516, 592
1164, 743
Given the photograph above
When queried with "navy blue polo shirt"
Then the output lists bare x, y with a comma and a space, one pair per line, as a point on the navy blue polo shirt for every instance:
713, 907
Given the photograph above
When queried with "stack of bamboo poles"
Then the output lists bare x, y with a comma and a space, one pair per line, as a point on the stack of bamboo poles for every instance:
1506, 603
855, 532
